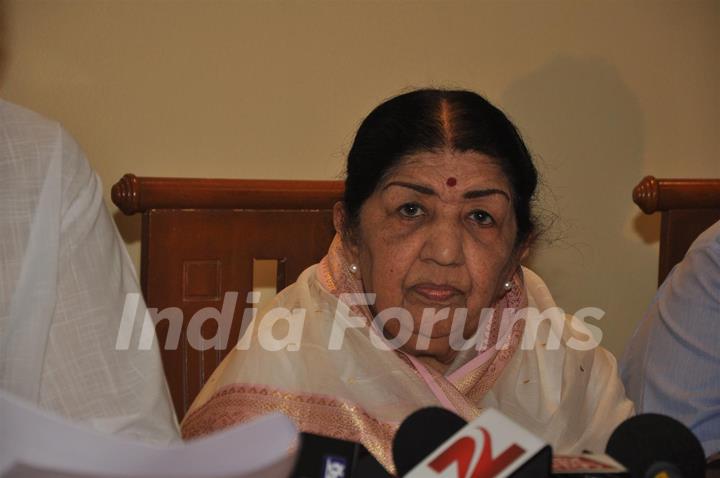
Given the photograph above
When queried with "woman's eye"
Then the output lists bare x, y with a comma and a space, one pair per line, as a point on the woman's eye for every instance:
411, 210
482, 218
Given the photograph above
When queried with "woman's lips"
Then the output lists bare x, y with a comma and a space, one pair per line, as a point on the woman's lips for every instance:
436, 293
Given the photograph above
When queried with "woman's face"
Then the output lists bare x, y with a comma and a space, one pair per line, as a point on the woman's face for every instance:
437, 233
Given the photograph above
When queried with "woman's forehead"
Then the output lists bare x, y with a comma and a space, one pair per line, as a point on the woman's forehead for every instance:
450, 169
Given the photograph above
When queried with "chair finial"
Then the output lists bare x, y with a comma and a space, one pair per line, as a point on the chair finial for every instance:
645, 194
125, 194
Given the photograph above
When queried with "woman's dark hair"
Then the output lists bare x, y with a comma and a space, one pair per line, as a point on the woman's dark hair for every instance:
433, 120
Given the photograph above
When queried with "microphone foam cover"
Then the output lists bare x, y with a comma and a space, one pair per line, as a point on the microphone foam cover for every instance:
420, 434
644, 440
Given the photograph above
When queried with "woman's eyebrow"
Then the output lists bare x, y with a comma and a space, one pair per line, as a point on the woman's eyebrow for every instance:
476, 193
485, 192
415, 187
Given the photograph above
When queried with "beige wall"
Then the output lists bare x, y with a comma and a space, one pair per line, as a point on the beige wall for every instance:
604, 92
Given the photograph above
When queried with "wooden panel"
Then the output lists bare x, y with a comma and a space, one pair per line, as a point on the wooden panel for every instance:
194, 257
202, 280
678, 229
134, 194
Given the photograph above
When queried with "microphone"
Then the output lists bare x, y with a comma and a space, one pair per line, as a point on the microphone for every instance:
652, 445
491, 445
420, 434
325, 457
662, 469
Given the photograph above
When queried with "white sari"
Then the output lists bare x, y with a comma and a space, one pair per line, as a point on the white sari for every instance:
361, 393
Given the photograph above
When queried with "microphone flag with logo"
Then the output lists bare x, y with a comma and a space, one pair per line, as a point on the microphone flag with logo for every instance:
490, 446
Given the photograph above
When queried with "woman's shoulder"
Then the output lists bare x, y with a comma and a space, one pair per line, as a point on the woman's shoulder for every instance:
268, 349
549, 327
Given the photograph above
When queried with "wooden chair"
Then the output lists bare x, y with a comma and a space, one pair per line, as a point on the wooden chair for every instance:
688, 207
200, 238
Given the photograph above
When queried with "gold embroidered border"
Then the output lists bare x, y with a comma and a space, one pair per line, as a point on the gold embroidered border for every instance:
477, 391
312, 413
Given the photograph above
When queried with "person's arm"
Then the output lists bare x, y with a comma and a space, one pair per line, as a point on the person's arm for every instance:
64, 276
672, 363
85, 375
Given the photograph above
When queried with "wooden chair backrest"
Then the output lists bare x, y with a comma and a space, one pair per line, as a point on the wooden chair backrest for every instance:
688, 207
200, 238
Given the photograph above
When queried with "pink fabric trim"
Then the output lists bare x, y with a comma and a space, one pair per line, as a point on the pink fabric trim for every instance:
430, 381
480, 359
515, 299
316, 398
312, 412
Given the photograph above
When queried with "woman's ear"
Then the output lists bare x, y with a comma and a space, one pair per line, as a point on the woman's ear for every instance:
524, 252
339, 217
521, 253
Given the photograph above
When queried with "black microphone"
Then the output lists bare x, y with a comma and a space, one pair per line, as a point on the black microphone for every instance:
420, 434
651, 444
662, 469
432, 440
325, 457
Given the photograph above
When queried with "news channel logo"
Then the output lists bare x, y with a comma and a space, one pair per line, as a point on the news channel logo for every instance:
335, 466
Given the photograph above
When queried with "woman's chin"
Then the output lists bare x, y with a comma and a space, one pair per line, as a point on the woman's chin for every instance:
437, 348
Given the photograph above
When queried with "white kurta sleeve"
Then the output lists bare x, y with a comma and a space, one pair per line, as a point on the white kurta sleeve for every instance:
65, 275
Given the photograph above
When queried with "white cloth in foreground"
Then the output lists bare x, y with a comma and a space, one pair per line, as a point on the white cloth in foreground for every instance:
64, 276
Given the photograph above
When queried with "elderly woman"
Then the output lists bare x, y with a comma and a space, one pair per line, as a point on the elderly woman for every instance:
435, 220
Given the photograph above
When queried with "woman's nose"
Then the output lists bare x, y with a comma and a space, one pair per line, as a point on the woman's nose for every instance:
443, 244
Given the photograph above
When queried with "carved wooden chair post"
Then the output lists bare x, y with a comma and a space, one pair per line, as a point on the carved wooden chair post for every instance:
200, 238
688, 207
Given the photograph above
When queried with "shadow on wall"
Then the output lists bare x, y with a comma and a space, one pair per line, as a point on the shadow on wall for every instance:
647, 226
584, 125
128, 226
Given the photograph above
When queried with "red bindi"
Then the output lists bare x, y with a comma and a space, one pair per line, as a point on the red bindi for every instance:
451, 182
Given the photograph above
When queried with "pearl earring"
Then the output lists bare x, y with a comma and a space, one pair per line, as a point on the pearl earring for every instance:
508, 285
353, 268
